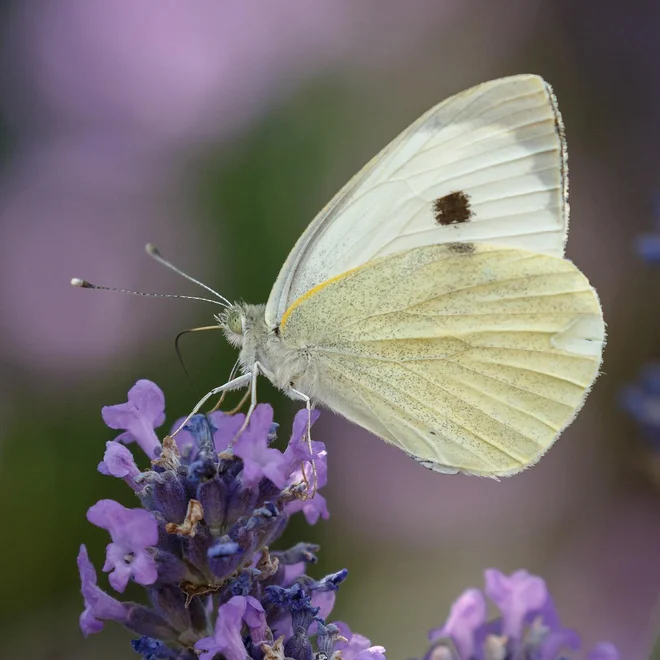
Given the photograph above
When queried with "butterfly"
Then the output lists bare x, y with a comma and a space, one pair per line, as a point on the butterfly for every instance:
430, 301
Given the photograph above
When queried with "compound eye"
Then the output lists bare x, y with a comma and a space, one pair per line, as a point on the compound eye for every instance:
235, 322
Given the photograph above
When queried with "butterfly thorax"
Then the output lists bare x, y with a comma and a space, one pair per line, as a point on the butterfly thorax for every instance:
245, 327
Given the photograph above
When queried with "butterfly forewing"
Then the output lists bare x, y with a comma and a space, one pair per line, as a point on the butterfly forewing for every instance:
487, 165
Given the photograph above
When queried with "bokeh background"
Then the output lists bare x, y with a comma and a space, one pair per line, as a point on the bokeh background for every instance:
217, 129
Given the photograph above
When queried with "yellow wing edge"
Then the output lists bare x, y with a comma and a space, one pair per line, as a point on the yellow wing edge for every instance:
319, 287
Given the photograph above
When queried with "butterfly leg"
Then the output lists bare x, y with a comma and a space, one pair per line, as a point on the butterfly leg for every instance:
234, 384
232, 375
257, 367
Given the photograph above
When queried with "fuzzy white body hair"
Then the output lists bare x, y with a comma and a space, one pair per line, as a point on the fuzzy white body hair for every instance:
290, 365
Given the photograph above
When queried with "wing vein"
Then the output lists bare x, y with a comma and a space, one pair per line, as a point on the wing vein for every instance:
490, 396
454, 120
459, 290
488, 166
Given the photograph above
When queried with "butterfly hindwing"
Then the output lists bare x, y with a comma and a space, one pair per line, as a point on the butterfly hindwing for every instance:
467, 360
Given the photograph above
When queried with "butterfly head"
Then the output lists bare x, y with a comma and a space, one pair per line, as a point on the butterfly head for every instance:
240, 322
232, 322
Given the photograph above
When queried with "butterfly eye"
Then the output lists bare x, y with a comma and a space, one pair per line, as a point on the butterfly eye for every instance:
235, 321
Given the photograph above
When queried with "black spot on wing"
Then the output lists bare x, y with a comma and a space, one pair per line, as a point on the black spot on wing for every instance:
452, 209
461, 248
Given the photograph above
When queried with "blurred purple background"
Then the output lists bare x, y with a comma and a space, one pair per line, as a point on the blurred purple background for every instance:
202, 126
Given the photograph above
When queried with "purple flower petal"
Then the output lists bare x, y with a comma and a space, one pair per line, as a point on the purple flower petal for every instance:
325, 601
227, 638
227, 427
314, 507
297, 450
292, 572
258, 459
603, 651
547, 613
298, 455
132, 531
255, 618
372, 653
357, 647
515, 595
555, 641
144, 411
466, 615
99, 606
118, 462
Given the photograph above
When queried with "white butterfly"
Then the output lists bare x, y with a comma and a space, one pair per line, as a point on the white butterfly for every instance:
429, 301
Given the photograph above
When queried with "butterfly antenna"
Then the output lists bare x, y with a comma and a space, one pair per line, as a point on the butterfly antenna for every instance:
154, 252
84, 284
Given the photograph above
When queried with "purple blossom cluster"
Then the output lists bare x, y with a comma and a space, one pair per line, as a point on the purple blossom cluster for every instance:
211, 506
212, 503
528, 627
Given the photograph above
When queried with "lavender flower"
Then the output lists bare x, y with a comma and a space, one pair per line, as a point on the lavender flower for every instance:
211, 508
132, 531
528, 627
144, 411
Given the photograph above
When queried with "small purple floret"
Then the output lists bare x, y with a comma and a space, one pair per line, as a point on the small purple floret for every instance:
603, 651
315, 507
528, 627
118, 462
153, 649
515, 595
297, 450
227, 638
132, 531
258, 459
466, 615
139, 416
357, 647
297, 455
99, 606
226, 428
